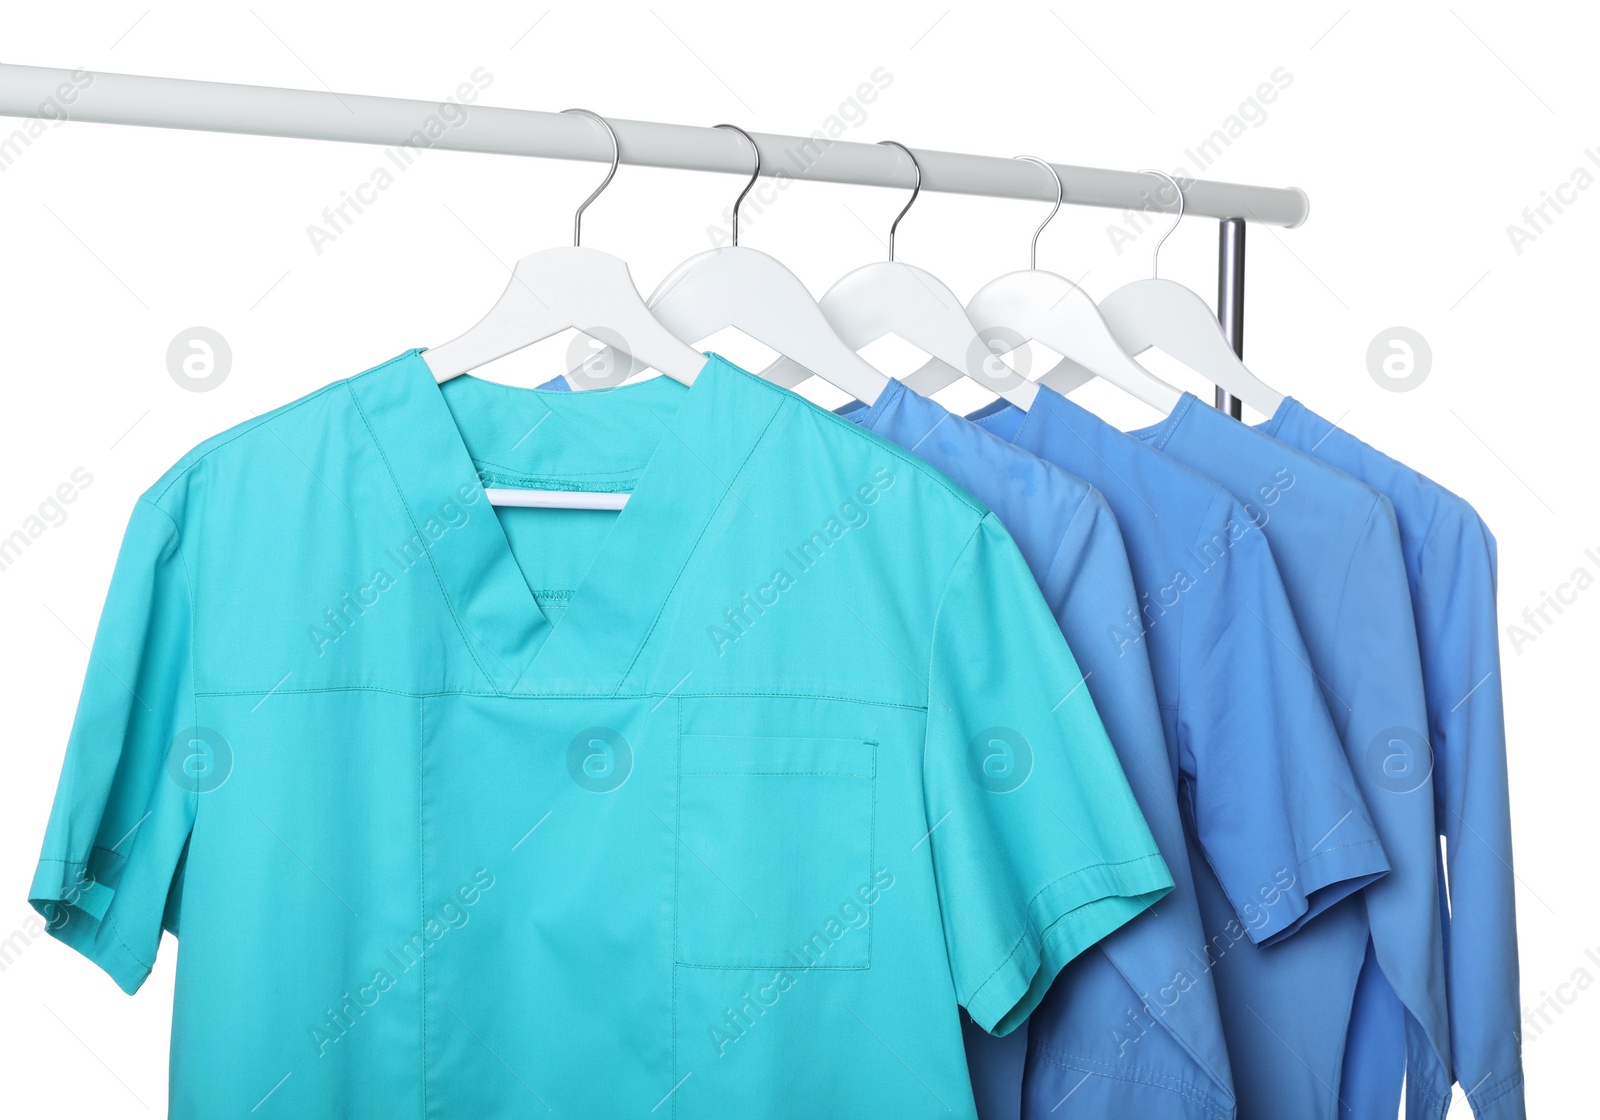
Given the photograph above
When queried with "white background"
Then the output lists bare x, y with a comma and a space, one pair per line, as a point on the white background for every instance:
1421, 132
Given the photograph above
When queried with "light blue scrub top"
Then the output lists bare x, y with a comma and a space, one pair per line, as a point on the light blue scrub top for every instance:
1280, 831
1339, 550
679, 811
1121, 1033
1450, 567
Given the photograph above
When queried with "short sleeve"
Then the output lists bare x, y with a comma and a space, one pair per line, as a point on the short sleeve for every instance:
1273, 803
125, 803
1039, 849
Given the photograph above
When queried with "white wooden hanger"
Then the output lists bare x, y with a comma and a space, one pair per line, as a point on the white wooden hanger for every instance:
890, 297
747, 289
555, 290
1052, 310
1168, 316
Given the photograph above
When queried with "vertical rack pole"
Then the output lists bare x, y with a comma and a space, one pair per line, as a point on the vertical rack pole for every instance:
1230, 298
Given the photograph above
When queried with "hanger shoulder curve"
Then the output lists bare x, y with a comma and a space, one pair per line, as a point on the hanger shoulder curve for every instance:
891, 297
1052, 310
747, 289
561, 288
884, 298
1170, 317
894, 298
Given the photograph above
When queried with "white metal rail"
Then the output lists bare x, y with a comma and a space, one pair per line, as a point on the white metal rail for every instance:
80, 95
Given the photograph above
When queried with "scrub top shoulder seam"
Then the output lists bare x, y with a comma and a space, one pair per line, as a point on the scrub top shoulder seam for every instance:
1062, 556
1350, 567
922, 468
196, 457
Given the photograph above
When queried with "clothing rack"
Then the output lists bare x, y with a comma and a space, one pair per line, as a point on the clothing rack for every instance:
56, 94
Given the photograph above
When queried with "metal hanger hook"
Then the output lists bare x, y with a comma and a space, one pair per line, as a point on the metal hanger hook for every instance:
1033, 248
616, 158
754, 175
1156, 252
916, 189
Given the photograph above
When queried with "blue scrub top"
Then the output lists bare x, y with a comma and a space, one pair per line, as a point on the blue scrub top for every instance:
1454, 609
1131, 1030
1338, 548
1281, 832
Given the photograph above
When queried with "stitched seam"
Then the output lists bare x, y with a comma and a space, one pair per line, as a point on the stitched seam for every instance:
422, 881
556, 482
194, 699
1485, 1097
290, 407
1092, 867
869, 418
1027, 420
872, 835
774, 774
927, 723
677, 856
1023, 939
618, 473
938, 615
872, 839
461, 627
928, 472
722, 499
194, 660
787, 738
1224, 499
1274, 423
1062, 555
1440, 1104
1132, 1074
1168, 427
107, 923
1320, 852
110, 925
525, 696
785, 964
1426, 549
1350, 566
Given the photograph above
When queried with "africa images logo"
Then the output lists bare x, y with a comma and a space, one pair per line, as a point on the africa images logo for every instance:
852, 916
338, 620
739, 619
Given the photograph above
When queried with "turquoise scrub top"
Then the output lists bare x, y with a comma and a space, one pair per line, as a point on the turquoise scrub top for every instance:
721, 804
1120, 1034
1339, 550
1281, 832
1451, 571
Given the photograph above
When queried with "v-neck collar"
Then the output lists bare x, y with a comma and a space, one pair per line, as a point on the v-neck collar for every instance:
1158, 434
675, 494
1286, 407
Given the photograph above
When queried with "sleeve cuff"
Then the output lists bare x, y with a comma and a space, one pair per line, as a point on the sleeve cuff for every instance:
1324, 878
1073, 913
1500, 1100
74, 907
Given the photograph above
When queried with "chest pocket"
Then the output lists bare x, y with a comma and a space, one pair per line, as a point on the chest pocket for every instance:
775, 837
